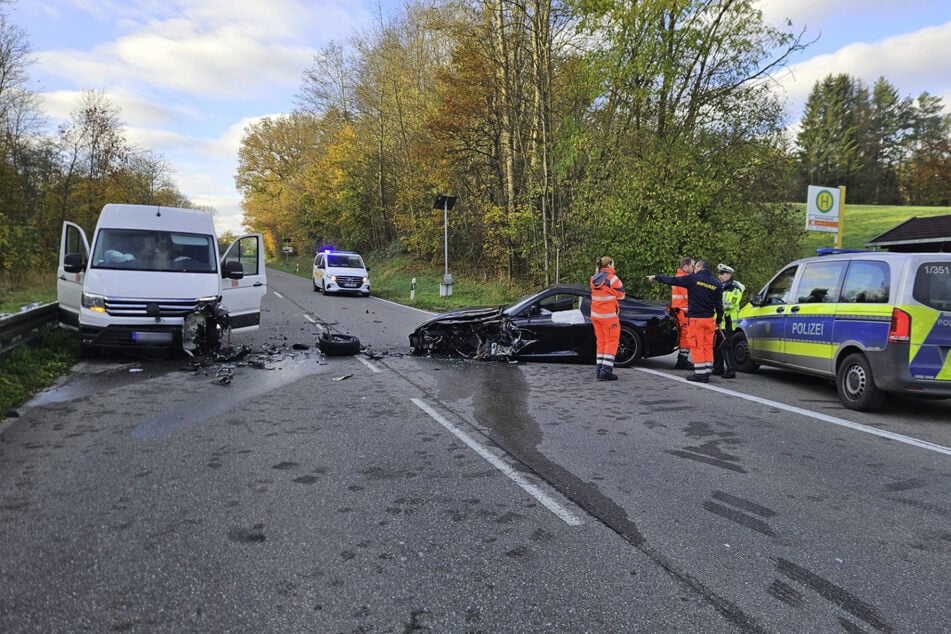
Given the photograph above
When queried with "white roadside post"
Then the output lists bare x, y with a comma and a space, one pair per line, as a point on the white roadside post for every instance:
445, 203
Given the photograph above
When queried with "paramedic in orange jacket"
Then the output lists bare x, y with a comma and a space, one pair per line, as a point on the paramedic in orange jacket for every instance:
678, 308
606, 290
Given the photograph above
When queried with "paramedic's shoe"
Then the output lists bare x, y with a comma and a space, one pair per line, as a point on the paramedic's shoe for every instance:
683, 364
699, 378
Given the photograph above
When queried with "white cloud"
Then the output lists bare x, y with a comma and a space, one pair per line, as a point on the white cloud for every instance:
913, 62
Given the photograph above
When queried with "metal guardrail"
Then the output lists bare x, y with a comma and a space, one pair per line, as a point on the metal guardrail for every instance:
21, 327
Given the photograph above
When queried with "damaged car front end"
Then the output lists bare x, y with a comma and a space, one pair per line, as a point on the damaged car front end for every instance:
474, 333
551, 325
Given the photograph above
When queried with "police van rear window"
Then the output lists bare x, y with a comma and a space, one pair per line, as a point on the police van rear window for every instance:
933, 284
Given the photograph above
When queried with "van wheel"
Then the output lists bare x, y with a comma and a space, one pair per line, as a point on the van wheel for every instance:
856, 387
315, 284
334, 345
741, 354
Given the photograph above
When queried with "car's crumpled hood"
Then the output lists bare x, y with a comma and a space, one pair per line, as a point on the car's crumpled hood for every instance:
464, 315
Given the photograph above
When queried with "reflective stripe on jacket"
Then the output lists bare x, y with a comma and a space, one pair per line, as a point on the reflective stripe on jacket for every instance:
606, 290
732, 295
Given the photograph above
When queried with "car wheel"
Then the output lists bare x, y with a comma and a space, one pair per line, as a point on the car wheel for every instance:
334, 345
629, 349
856, 386
315, 284
365, 294
89, 351
741, 354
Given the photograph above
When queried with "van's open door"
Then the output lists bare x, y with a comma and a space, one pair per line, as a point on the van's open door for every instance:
242, 297
73, 257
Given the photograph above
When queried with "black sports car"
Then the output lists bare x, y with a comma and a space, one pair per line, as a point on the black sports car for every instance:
551, 325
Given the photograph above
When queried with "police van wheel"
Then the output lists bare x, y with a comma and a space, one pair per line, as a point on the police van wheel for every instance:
741, 354
334, 345
856, 387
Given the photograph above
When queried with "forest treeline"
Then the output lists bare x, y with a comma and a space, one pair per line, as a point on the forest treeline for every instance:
571, 130
566, 129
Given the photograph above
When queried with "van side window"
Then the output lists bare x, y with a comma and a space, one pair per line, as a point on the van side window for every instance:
244, 251
866, 282
778, 291
820, 282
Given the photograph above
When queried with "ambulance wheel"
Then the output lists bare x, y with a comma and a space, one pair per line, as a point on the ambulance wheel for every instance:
334, 345
629, 349
315, 284
741, 354
856, 387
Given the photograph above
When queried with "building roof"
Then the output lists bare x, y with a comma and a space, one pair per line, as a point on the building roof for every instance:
929, 233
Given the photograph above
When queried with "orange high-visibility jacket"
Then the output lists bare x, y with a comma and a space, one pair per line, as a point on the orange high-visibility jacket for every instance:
606, 290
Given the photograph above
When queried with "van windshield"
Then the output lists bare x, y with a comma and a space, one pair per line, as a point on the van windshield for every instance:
933, 284
142, 250
344, 261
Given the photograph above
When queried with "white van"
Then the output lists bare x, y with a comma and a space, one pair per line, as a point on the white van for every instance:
341, 272
153, 278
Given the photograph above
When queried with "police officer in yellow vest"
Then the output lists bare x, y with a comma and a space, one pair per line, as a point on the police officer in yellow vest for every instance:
732, 295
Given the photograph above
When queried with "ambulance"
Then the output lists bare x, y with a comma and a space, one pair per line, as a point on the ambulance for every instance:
876, 323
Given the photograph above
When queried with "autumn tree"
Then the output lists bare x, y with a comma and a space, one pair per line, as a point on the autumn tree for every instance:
680, 131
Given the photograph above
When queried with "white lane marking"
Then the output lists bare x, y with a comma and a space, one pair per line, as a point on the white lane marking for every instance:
564, 514
278, 294
908, 440
372, 367
428, 312
310, 319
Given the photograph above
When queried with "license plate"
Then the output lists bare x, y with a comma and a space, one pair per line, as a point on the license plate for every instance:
152, 338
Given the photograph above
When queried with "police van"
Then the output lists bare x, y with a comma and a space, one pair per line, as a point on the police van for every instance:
340, 272
876, 323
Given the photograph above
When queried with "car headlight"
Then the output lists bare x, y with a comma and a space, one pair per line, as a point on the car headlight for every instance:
366, 278
333, 278
94, 302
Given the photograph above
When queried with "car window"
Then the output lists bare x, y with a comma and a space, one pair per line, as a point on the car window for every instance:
560, 302
867, 281
778, 291
819, 282
933, 285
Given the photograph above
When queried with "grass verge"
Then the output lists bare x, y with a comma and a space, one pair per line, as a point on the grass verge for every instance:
34, 366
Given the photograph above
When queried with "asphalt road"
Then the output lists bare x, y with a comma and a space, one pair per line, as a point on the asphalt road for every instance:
389, 493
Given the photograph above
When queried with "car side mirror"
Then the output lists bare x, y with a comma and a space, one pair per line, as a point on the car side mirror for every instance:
232, 270
73, 263
368, 269
757, 300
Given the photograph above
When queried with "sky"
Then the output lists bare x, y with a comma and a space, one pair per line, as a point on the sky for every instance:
189, 75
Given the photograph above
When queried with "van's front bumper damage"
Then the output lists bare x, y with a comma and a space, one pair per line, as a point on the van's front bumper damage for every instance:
199, 331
